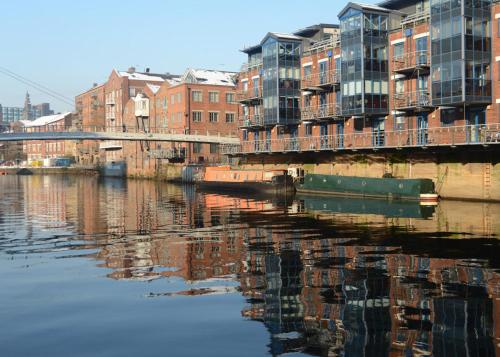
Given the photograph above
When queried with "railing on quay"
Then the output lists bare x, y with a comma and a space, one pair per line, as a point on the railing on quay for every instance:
432, 137
412, 100
320, 112
411, 60
330, 77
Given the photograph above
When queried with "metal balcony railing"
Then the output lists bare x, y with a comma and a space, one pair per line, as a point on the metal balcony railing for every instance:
321, 79
178, 154
425, 137
251, 121
411, 61
324, 45
249, 95
412, 100
245, 67
320, 112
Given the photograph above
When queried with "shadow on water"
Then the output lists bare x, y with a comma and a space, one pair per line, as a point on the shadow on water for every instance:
325, 276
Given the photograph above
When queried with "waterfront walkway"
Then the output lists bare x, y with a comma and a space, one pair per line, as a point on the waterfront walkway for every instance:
58, 132
452, 136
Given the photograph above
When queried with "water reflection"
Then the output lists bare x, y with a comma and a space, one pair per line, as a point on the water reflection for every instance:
325, 276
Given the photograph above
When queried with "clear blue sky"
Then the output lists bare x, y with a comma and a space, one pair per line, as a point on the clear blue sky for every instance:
68, 45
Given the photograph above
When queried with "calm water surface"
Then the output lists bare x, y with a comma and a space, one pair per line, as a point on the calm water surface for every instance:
92, 267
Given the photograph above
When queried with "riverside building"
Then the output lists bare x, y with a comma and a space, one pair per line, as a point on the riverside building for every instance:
401, 74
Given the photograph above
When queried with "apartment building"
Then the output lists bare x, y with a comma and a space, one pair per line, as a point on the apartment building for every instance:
198, 102
403, 73
38, 151
120, 87
90, 110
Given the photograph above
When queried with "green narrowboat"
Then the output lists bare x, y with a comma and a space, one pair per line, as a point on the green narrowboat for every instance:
392, 188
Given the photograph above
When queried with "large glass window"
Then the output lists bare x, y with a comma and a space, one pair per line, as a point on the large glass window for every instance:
364, 60
460, 28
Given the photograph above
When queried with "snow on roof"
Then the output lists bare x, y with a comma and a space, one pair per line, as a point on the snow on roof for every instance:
46, 120
136, 76
286, 36
153, 88
211, 77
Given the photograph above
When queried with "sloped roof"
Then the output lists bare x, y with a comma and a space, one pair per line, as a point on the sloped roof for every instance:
46, 120
362, 7
210, 77
153, 88
136, 76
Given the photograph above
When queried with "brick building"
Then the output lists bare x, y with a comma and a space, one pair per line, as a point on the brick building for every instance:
90, 115
37, 151
399, 74
199, 102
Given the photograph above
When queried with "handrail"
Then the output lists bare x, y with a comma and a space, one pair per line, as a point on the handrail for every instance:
249, 94
320, 111
321, 78
415, 99
411, 60
251, 120
450, 136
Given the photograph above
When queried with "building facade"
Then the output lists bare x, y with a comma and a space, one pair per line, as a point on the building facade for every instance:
38, 152
198, 102
400, 74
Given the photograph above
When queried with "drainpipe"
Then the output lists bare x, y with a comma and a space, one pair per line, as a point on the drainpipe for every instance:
188, 116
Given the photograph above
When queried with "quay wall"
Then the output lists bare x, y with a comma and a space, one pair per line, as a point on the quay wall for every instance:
459, 174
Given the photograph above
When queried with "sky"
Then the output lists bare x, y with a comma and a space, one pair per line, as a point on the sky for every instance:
68, 45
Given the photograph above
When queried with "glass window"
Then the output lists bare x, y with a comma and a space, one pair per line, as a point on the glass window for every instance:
197, 116
230, 117
213, 97
197, 96
230, 98
213, 117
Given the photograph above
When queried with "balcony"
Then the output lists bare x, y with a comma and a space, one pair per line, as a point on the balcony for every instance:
250, 95
410, 62
169, 154
251, 121
321, 112
453, 136
246, 67
321, 81
323, 45
110, 101
413, 101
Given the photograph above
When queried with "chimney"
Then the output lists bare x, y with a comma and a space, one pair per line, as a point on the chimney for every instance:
131, 70
147, 70
95, 85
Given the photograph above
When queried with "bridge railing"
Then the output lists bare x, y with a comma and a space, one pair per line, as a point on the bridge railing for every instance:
121, 129
425, 137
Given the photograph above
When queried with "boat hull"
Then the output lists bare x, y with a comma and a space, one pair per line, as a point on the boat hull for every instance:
408, 189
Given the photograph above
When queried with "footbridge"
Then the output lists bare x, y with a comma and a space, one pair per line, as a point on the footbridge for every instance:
118, 133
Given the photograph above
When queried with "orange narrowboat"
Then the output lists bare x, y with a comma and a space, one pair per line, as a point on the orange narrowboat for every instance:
247, 181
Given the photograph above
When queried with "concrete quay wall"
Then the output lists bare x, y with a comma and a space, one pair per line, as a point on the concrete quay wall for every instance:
457, 174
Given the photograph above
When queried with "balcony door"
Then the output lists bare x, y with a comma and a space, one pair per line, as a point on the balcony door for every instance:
378, 132
323, 68
323, 131
268, 139
340, 135
422, 129
476, 121
256, 140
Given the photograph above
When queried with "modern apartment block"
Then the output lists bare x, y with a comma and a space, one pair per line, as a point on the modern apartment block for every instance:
400, 74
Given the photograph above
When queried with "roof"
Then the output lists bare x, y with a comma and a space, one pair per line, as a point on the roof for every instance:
314, 29
210, 77
153, 88
363, 7
137, 76
46, 120
396, 4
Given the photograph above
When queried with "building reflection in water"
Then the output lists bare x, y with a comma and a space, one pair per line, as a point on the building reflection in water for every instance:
325, 276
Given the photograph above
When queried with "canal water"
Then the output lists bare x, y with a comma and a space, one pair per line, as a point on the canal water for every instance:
106, 267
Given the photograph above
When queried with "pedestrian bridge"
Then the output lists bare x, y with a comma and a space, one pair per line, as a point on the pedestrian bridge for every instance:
121, 133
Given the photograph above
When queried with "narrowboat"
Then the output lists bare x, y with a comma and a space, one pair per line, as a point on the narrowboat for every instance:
393, 188
276, 182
